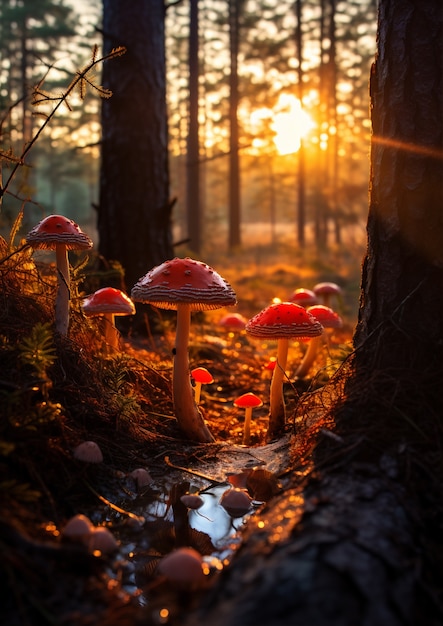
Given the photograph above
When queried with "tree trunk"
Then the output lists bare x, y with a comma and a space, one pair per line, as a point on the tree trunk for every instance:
234, 160
301, 194
134, 209
193, 145
359, 542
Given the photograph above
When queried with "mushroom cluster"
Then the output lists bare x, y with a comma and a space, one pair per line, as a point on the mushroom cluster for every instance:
187, 285
328, 319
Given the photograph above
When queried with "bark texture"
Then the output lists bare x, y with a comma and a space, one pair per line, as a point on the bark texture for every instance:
345, 552
134, 210
402, 295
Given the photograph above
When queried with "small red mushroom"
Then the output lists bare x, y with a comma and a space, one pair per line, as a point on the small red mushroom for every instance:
108, 302
281, 322
201, 376
328, 319
248, 401
325, 291
61, 234
185, 285
233, 321
305, 297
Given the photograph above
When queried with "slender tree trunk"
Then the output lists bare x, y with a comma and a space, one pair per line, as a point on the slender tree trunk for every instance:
234, 158
193, 153
333, 123
134, 207
301, 201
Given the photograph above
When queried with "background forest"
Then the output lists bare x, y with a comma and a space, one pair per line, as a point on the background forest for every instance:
302, 108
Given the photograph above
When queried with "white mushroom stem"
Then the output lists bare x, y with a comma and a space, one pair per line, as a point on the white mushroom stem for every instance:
63, 289
188, 416
111, 333
276, 400
247, 426
197, 391
309, 357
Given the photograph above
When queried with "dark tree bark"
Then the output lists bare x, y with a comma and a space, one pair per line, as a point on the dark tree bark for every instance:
234, 157
134, 210
193, 208
358, 542
301, 188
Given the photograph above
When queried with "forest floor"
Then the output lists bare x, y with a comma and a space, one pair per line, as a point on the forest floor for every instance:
58, 392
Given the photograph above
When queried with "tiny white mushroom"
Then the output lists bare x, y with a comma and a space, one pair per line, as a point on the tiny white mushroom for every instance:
88, 452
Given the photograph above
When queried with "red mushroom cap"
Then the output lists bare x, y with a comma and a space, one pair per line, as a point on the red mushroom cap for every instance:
327, 288
305, 297
284, 320
326, 316
184, 281
235, 321
248, 400
108, 300
202, 375
57, 229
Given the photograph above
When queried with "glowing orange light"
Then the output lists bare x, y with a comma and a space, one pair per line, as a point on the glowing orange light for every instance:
290, 123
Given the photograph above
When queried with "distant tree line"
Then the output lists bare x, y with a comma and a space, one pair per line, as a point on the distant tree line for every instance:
213, 64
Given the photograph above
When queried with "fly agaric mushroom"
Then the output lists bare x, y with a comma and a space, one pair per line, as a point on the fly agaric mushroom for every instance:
325, 291
247, 401
328, 319
201, 377
305, 297
184, 285
61, 234
233, 321
281, 322
108, 302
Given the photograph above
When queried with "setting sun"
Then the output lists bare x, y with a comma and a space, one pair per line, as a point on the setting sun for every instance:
290, 123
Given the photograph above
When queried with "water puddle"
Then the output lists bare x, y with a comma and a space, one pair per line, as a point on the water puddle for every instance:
152, 521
